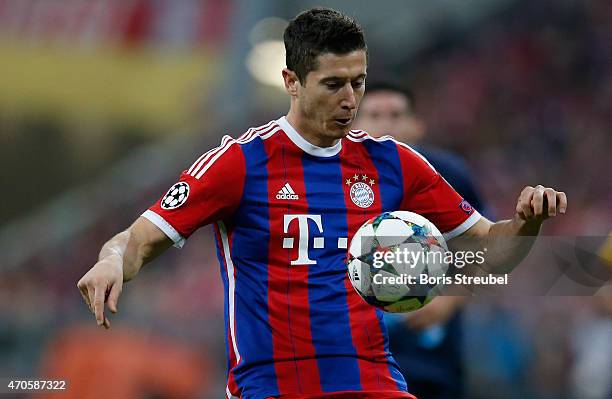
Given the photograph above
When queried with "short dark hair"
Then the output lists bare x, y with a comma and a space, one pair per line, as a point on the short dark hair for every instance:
318, 31
392, 86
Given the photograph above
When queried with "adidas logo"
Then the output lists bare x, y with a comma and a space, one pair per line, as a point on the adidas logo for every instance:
287, 193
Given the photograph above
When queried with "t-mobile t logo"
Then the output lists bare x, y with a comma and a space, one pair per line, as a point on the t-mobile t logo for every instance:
303, 239
318, 242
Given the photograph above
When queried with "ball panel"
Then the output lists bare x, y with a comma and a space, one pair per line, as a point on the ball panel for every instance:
363, 241
392, 232
419, 220
410, 217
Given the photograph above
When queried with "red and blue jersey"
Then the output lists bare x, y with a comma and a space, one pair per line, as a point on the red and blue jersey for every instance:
284, 212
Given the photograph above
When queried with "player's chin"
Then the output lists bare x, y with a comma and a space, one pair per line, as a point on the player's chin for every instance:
340, 128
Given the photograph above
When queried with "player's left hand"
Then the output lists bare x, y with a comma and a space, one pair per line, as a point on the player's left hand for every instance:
536, 204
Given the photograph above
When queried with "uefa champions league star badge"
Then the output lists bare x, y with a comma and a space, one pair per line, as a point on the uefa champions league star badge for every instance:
361, 191
176, 196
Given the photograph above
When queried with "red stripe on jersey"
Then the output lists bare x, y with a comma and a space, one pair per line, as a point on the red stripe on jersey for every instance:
365, 326
231, 381
288, 306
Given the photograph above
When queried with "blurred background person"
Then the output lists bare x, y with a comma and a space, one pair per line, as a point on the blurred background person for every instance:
426, 343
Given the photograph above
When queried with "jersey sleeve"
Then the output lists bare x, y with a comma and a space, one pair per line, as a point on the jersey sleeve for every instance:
427, 193
210, 190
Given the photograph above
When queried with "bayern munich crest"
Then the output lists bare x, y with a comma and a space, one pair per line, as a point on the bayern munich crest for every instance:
176, 196
361, 191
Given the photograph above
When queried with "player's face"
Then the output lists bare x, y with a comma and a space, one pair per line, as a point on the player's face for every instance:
388, 112
328, 100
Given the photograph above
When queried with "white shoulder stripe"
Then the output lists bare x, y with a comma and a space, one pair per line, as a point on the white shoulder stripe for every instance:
357, 133
361, 135
270, 133
199, 171
210, 159
356, 139
199, 163
249, 132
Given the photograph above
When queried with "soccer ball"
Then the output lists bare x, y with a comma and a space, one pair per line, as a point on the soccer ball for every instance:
396, 261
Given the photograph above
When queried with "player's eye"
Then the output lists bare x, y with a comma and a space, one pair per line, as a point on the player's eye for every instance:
357, 84
333, 85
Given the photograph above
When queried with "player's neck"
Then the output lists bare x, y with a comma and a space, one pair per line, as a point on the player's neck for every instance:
303, 128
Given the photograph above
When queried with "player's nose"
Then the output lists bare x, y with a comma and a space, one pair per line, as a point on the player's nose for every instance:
349, 101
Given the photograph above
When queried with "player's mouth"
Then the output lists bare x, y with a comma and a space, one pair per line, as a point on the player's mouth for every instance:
344, 122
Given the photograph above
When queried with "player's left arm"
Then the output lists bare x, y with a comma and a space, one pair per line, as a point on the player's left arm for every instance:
509, 241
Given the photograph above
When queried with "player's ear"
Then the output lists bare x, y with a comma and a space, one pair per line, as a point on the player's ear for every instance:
291, 81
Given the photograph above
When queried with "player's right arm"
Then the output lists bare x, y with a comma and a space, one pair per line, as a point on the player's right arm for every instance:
210, 190
119, 261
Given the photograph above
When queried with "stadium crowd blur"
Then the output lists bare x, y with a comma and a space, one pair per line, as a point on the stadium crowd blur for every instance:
525, 96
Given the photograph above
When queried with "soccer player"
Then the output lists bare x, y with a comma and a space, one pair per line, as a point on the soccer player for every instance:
426, 343
284, 199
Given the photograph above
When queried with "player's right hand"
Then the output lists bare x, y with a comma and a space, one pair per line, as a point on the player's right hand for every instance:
102, 284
